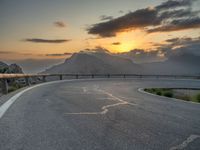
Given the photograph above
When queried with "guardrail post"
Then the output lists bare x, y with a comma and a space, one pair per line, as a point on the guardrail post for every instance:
76, 76
61, 77
27, 81
92, 76
124, 76
4, 86
44, 78
108, 75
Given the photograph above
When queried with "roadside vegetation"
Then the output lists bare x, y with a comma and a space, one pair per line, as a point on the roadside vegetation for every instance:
14, 87
183, 94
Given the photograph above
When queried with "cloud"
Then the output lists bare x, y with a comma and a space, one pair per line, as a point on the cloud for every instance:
142, 56
177, 25
174, 3
172, 47
55, 41
14, 53
127, 22
60, 24
62, 54
104, 17
186, 45
7, 52
173, 15
97, 49
116, 43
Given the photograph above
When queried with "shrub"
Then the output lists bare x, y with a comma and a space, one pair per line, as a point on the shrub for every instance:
168, 94
159, 93
184, 97
198, 97
11, 89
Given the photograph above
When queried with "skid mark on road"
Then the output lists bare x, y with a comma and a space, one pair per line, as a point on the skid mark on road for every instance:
105, 108
185, 143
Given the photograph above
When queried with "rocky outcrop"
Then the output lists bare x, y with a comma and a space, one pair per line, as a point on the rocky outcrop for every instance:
13, 68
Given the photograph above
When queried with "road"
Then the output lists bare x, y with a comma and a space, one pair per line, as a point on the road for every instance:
102, 114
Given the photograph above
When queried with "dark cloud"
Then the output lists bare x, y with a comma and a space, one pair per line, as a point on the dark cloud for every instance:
186, 45
7, 52
62, 54
98, 49
127, 22
172, 40
174, 3
13, 52
172, 15
55, 41
177, 25
180, 13
104, 17
116, 43
60, 24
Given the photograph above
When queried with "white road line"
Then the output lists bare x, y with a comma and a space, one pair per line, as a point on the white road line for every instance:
8, 103
106, 107
185, 143
4, 107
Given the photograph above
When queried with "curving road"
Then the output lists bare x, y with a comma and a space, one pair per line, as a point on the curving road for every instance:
103, 114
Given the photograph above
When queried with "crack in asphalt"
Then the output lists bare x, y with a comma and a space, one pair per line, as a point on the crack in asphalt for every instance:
105, 108
185, 143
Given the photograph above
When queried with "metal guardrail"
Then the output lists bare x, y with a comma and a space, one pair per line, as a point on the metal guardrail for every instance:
5, 77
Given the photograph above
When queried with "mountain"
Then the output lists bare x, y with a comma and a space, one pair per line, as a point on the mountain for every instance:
13, 68
2, 64
95, 63
180, 64
100, 62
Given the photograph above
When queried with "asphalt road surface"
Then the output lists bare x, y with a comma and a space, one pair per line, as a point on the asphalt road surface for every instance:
103, 114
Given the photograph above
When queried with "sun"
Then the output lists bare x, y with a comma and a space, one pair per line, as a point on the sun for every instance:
126, 46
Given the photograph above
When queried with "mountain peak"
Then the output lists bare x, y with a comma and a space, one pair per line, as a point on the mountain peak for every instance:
95, 62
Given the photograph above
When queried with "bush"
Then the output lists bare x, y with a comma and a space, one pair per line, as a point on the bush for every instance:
198, 97
14, 86
168, 94
11, 89
184, 97
159, 93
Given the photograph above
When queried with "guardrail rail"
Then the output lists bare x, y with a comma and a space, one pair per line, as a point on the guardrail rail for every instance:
5, 77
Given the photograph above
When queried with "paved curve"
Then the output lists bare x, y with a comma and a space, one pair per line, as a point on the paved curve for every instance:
101, 115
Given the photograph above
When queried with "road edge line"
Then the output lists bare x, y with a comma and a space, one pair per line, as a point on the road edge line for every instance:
6, 105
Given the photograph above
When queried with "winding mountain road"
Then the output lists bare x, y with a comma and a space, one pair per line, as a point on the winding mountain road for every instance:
102, 114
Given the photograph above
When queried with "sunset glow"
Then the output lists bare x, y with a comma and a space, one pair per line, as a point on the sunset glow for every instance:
31, 30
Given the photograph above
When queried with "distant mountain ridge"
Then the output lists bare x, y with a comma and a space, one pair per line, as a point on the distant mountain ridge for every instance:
94, 63
102, 62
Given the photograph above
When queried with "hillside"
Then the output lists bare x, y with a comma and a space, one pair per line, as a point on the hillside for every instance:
95, 62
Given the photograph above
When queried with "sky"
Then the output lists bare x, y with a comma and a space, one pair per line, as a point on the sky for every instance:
55, 29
